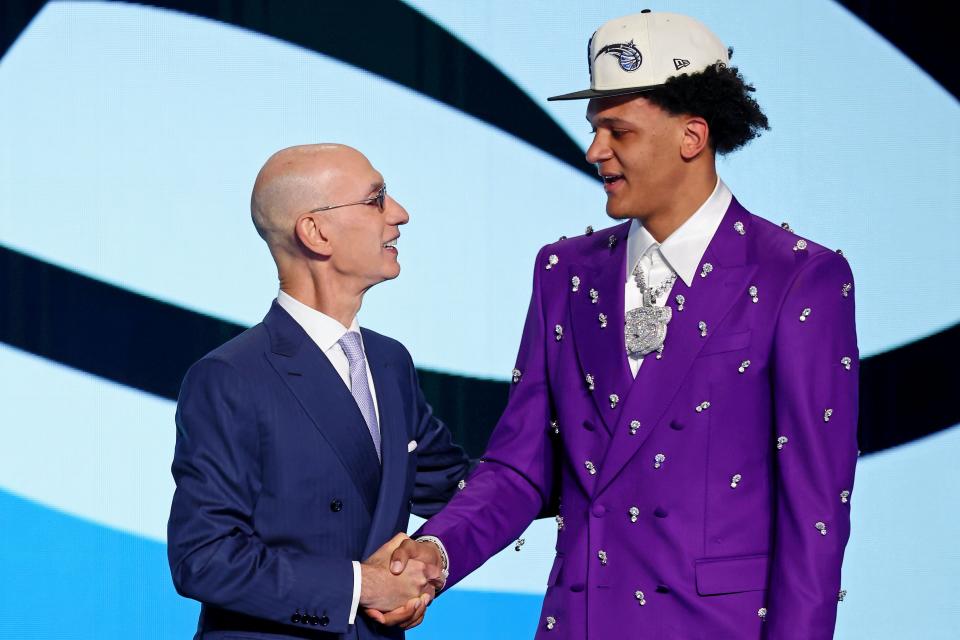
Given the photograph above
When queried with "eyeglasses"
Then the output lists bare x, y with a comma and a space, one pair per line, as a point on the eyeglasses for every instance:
379, 199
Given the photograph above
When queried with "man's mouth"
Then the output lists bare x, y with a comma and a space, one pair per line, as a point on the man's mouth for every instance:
392, 244
611, 180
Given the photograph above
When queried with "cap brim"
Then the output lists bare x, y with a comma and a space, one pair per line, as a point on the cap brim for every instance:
602, 93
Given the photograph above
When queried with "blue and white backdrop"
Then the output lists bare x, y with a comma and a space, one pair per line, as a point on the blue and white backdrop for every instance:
131, 134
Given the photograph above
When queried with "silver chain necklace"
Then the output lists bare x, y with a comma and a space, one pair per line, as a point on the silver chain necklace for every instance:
654, 293
646, 326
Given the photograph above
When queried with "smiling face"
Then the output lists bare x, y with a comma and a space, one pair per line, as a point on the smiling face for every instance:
362, 238
637, 150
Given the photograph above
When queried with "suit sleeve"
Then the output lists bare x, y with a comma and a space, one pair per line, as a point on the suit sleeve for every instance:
214, 550
513, 482
816, 371
441, 463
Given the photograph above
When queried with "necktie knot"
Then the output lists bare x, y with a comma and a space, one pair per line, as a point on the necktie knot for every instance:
352, 348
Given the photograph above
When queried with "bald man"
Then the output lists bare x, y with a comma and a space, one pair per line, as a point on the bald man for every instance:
304, 443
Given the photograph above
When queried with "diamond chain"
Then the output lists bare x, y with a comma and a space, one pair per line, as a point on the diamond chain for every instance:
653, 293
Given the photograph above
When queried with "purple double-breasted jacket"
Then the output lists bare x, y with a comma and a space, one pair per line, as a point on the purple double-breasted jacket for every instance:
707, 498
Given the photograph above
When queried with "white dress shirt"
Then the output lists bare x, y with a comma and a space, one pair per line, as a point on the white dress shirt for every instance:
680, 253
326, 333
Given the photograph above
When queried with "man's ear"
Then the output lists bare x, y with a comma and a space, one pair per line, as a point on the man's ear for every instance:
313, 233
696, 137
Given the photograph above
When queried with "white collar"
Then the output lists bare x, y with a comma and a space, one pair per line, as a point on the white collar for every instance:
322, 329
684, 248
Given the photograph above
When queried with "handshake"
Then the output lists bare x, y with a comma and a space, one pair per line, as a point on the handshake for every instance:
400, 580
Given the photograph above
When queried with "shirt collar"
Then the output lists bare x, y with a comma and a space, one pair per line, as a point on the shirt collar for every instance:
322, 329
685, 247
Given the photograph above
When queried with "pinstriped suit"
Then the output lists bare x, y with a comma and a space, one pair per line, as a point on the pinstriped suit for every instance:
279, 487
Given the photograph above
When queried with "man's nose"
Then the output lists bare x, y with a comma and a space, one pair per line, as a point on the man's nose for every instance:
396, 214
598, 151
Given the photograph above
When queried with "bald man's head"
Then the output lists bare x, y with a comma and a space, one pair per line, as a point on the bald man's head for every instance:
298, 179
352, 244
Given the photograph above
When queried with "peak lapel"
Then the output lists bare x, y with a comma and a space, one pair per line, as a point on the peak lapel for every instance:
601, 351
708, 299
324, 397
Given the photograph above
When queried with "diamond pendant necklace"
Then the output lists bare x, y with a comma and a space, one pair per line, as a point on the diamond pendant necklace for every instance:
646, 326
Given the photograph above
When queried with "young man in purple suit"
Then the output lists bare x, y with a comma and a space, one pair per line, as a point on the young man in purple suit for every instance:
685, 395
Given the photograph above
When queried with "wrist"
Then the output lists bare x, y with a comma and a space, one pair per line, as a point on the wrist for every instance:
442, 552
369, 579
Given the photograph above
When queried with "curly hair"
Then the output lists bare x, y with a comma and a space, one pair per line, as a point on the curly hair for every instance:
721, 96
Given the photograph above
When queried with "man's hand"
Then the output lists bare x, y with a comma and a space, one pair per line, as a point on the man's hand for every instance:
400, 594
408, 616
427, 553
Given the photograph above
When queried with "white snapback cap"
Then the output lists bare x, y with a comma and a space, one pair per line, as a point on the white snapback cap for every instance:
640, 52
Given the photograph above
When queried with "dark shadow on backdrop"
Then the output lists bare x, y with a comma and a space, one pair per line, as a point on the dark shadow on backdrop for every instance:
146, 344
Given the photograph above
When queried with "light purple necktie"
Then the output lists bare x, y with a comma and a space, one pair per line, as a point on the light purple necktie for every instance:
359, 387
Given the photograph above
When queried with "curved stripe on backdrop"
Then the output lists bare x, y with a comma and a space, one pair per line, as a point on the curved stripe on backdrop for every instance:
101, 583
139, 87
160, 121
118, 330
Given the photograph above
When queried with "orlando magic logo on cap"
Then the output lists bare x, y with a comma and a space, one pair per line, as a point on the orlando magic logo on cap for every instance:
640, 52
627, 53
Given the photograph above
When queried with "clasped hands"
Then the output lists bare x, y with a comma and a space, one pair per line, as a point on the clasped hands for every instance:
400, 580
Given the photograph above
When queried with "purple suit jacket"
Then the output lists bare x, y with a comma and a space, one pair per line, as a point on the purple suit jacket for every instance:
709, 497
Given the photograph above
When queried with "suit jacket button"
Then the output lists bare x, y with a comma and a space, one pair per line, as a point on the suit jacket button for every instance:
324, 621
336, 505
295, 618
314, 620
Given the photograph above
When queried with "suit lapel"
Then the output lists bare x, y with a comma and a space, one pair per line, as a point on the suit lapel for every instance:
324, 397
707, 300
601, 351
393, 443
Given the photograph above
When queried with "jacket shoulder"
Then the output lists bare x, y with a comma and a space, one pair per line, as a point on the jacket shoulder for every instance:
780, 247
578, 247
242, 350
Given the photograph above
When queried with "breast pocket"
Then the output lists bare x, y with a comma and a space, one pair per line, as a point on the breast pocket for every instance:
724, 342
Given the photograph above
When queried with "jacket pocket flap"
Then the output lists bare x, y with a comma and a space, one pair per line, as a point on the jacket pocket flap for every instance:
726, 342
731, 575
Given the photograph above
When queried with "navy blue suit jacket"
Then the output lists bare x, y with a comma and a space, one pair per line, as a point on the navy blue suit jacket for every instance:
279, 487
